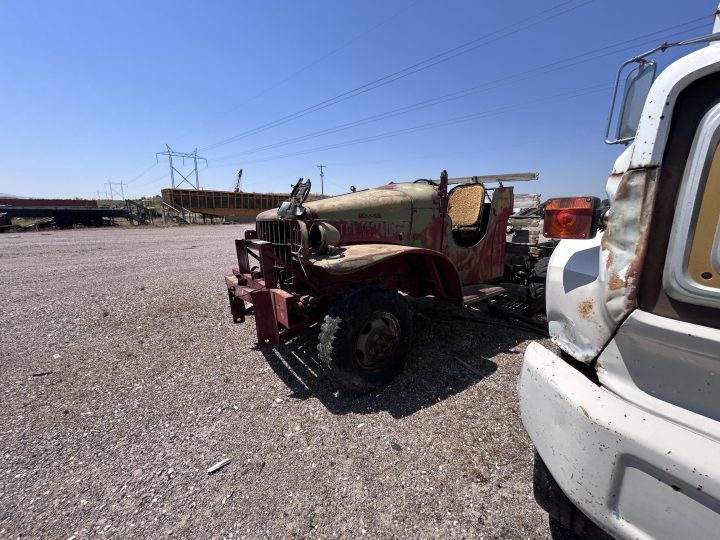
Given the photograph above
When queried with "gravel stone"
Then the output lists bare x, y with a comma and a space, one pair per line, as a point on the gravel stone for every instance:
146, 382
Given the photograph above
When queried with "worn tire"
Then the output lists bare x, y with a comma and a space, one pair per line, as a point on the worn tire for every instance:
566, 520
365, 338
536, 287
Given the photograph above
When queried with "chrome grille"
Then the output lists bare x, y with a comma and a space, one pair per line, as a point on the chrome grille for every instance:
286, 240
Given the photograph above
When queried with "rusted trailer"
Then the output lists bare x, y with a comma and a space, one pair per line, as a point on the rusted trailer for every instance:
229, 204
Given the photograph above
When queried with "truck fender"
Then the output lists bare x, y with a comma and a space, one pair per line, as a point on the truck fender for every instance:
405, 266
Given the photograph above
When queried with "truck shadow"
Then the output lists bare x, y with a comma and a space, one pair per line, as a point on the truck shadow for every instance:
452, 350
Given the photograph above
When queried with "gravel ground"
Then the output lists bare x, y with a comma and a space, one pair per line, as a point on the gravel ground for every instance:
124, 379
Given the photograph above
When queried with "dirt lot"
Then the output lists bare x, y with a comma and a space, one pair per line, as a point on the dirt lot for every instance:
124, 379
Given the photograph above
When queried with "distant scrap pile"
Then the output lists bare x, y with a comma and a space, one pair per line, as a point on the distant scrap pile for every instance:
65, 212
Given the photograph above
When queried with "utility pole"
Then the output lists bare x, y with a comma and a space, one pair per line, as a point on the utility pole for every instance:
170, 153
322, 179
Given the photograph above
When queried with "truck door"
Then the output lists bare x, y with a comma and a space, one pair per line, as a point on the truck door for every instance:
475, 230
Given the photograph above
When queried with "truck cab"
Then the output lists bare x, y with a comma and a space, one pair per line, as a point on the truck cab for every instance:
625, 414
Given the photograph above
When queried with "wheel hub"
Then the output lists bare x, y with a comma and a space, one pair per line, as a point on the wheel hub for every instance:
377, 340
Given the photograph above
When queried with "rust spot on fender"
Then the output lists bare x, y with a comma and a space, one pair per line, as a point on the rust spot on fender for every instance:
586, 309
584, 411
615, 283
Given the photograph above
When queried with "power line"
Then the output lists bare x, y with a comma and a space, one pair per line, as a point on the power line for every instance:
310, 65
291, 76
489, 85
439, 99
500, 110
464, 48
426, 156
439, 123
163, 177
143, 173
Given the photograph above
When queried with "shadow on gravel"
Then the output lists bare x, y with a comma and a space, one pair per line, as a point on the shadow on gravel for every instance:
451, 351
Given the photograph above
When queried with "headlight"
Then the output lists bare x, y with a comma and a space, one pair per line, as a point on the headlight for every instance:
321, 236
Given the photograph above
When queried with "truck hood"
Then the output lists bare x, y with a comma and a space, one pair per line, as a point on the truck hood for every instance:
387, 203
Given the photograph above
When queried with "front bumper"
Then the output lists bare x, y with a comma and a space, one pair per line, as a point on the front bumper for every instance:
279, 315
633, 473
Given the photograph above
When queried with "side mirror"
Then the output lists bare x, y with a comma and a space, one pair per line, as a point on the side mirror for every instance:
636, 89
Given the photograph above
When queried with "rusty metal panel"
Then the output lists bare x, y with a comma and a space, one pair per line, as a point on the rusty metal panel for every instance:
281, 300
267, 260
224, 203
265, 319
624, 241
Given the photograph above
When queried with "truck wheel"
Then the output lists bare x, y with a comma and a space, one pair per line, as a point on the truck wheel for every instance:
365, 338
566, 519
536, 287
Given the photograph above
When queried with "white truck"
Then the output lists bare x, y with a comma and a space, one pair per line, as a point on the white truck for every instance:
625, 418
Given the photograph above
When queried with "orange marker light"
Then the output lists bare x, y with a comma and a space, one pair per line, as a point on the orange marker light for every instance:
571, 217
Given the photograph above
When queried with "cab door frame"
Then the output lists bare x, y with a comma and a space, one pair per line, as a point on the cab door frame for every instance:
692, 104
692, 265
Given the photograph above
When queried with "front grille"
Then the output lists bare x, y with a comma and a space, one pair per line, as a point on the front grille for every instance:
286, 240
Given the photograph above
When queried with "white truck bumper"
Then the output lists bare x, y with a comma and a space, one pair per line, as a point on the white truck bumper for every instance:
635, 474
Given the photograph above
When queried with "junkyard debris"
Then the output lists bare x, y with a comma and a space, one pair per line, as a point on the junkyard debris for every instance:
219, 465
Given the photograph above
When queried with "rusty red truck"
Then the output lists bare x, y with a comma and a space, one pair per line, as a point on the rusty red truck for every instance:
347, 261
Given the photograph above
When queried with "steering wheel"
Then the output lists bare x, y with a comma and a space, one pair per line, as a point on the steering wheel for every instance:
431, 182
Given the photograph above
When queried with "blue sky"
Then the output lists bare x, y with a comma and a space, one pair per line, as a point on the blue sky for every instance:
92, 89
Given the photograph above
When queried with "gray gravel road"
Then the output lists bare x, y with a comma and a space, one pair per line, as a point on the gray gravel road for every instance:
123, 380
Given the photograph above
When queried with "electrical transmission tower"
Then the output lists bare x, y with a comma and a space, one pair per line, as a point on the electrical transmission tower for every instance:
119, 190
186, 178
322, 179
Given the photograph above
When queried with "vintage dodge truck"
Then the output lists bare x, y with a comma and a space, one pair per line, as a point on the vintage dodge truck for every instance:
349, 260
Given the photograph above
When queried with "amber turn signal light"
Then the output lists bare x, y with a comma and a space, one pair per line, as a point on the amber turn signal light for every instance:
571, 217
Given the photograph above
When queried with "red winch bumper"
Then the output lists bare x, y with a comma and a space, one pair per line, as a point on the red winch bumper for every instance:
255, 289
